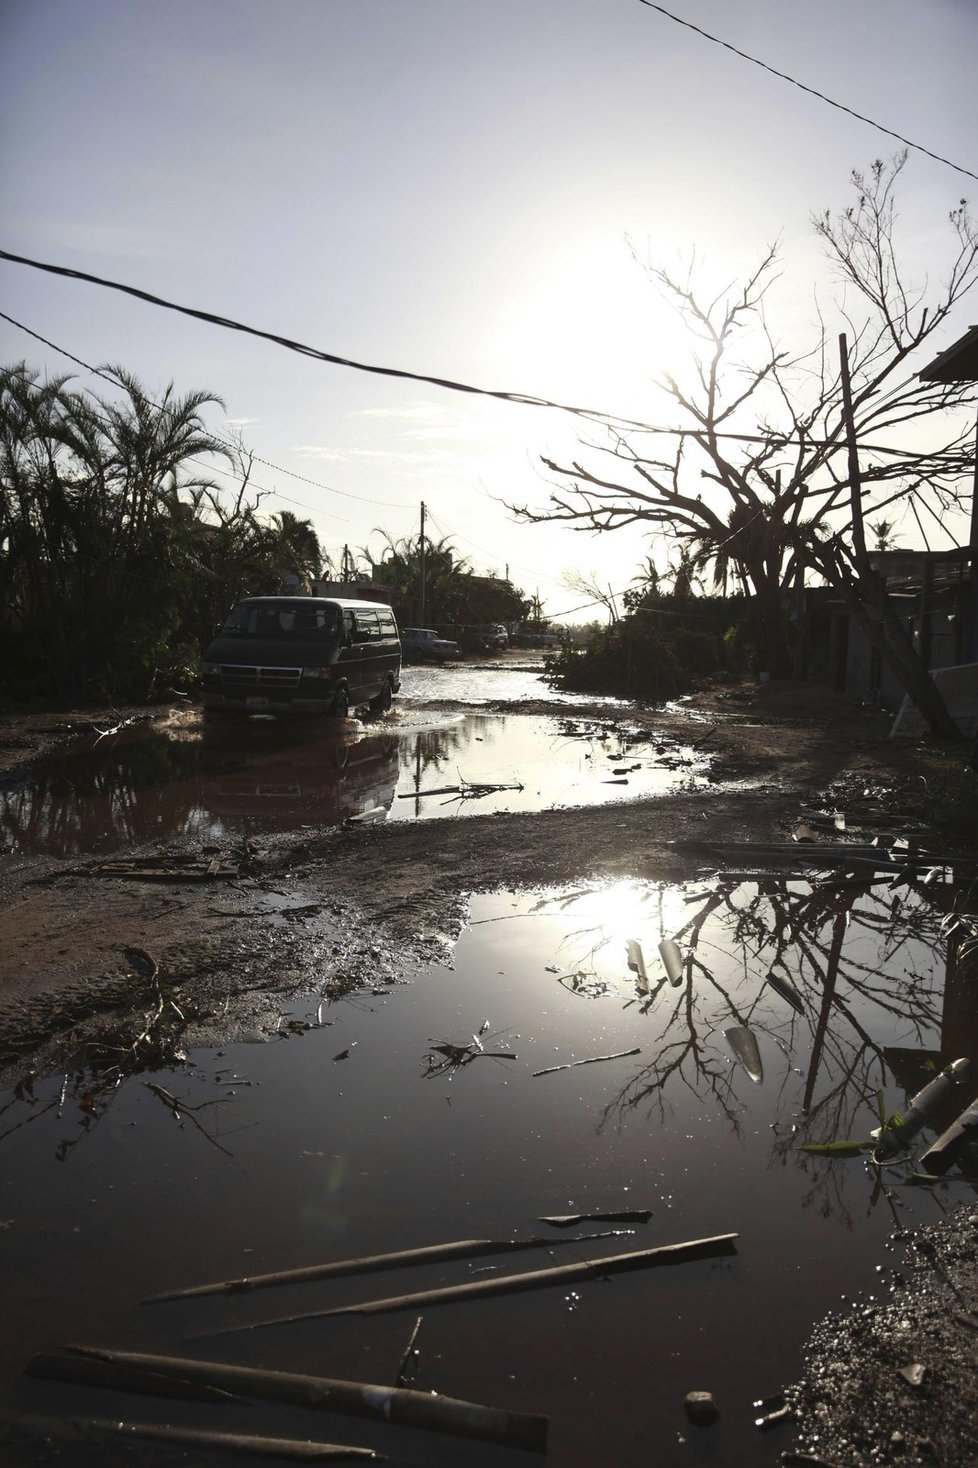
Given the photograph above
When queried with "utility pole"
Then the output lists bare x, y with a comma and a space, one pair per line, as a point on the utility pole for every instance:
424, 568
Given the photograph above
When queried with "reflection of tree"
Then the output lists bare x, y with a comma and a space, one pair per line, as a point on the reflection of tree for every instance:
435, 748
853, 952
123, 791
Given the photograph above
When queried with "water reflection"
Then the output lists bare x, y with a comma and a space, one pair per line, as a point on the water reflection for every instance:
217, 783
365, 1146
842, 984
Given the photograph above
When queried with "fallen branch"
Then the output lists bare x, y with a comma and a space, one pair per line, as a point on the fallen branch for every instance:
591, 1060
401, 1406
181, 1108
467, 789
535, 1279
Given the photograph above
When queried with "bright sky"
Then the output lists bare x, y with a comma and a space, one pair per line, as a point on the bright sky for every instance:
450, 188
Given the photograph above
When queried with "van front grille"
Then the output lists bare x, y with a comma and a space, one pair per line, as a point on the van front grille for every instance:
240, 678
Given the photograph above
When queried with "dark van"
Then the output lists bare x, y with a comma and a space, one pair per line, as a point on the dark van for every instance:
303, 654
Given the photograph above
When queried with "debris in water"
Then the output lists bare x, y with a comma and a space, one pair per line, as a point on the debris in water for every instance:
401, 1406
770, 1411
701, 1408
591, 1060
368, 1264
453, 1057
536, 1279
950, 1144
636, 962
897, 1132
290, 1448
570, 1220
672, 960
835, 1149
411, 1358
782, 985
744, 1046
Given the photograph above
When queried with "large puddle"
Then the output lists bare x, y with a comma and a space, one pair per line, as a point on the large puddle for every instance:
455, 1107
189, 781
504, 682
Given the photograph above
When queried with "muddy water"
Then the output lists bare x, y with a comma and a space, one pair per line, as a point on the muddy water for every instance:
505, 681
188, 781
362, 1136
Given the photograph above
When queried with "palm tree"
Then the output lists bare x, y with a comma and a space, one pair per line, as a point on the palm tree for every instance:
297, 544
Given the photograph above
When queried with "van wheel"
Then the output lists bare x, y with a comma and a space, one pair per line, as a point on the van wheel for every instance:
384, 699
341, 704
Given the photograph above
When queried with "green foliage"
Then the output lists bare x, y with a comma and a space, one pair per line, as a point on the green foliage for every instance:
835, 1149
453, 595
656, 652
117, 556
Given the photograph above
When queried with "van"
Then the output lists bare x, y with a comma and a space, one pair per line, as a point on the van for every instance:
303, 654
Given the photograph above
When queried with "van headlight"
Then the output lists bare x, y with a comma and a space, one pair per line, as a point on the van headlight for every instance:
317, 672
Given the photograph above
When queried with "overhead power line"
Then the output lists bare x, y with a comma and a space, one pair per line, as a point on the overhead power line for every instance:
279, 468
594, 415
812, 91
229, 324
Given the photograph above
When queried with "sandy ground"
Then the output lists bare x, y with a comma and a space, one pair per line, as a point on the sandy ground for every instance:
86, 955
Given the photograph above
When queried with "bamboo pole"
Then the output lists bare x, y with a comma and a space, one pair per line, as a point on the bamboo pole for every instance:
86, 1370
293, 1449
534, 1279
400, 1405
430, 1254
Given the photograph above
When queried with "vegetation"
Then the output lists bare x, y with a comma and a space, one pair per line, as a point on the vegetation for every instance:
659, 648
754, 473
453, 595
117, 555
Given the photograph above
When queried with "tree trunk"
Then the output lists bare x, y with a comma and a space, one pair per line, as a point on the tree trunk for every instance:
888, 635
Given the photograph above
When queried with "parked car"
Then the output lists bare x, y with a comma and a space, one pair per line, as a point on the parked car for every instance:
490, 637
303, 654
423, 645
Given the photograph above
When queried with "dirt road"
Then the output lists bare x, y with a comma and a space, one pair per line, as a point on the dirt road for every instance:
387, 897
88, 956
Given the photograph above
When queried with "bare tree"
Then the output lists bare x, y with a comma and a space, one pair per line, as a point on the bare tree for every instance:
586, 583
755, 473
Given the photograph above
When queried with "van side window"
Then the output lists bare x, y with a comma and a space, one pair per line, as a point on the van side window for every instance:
348, 626
368, 624
387, 624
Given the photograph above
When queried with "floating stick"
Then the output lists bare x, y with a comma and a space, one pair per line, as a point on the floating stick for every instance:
430, 1254
534, 1279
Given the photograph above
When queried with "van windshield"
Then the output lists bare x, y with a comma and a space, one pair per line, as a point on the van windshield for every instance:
284, 619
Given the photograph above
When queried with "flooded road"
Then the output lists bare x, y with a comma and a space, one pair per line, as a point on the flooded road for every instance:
188, 780
432, 1110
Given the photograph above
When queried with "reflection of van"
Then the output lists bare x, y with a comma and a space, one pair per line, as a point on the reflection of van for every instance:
281, 781
303, 654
